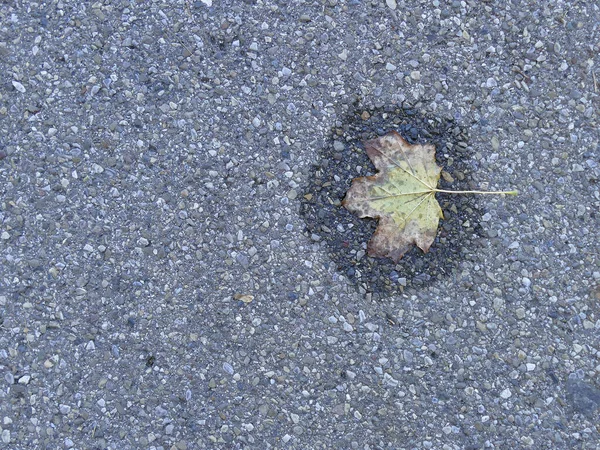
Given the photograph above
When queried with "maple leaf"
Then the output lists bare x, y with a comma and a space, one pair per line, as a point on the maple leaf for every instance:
401, 195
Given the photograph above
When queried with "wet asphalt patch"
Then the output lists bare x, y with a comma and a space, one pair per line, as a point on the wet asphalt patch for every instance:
344, 236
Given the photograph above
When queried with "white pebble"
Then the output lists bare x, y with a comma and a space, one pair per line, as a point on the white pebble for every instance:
506, 394
228, 368
18, 86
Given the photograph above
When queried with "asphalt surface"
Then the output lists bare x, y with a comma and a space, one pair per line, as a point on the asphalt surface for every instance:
176, 271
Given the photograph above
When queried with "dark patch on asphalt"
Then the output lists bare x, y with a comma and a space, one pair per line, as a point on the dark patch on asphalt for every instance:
344, 236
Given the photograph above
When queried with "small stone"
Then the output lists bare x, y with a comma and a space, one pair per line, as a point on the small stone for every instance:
338, 146
365, 115
18, 86
495, 143
6, 436
505, 394
520, 313
169, 429
527, 441
390, 380
24, 379
390, 67
5, 235
347, 327
228, 368
64, 409
292, 194
391, 4
415, 75
491, 83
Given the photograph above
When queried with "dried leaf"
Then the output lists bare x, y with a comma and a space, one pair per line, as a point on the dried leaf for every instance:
401, 195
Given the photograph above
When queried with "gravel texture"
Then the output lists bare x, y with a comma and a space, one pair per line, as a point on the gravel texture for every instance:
176, 271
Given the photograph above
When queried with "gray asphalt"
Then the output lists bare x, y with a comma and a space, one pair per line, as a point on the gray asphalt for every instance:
176, 271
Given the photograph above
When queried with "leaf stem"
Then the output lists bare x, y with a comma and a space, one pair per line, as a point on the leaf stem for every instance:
476, 192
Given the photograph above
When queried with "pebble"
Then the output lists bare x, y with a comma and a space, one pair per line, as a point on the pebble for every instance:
495, 143
391, 4
18, 86
338, 146
228, 368
505, 394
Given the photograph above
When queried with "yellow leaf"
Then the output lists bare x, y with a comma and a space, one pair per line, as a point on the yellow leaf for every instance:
401, 195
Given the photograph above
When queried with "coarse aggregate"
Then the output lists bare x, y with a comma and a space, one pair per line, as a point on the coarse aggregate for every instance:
176, 271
